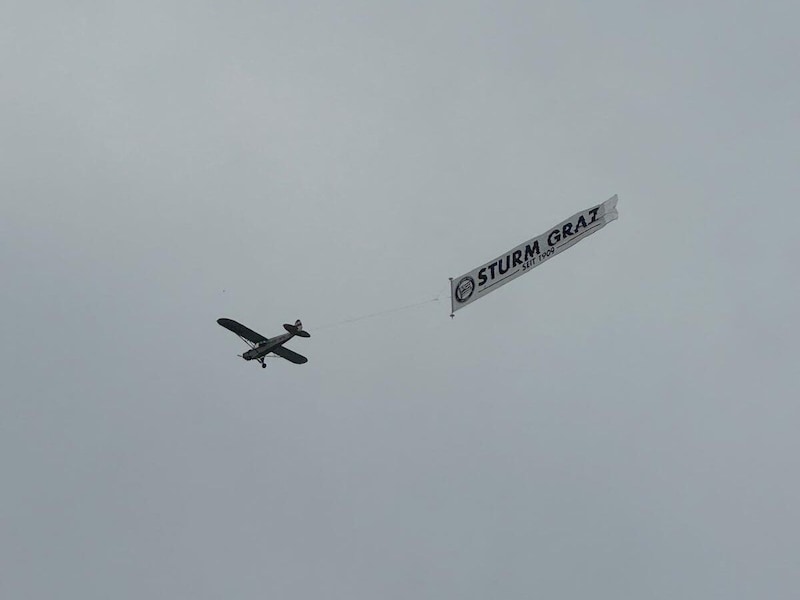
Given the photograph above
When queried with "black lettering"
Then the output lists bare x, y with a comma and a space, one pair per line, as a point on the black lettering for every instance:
554, 237
530, 251
567, 229
517, 257
492, 267
500, 269
482, 277
593, 212
581, 223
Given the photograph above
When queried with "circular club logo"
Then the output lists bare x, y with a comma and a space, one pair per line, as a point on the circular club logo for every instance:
464, 289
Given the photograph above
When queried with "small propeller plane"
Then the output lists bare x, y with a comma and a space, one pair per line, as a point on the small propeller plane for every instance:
260, 346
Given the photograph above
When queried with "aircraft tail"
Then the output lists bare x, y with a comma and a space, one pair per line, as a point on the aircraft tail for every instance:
296, 329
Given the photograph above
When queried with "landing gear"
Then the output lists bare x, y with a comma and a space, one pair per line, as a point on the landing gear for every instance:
263, 365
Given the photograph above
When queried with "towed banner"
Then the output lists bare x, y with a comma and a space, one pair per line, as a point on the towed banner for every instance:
484, 279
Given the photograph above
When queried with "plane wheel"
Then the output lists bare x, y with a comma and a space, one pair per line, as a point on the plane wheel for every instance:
263, 365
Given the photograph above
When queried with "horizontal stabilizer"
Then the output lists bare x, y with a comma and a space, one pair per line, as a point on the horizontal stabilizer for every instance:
296, 329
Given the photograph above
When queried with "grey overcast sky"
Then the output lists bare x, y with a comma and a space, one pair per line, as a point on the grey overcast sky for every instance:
620, 423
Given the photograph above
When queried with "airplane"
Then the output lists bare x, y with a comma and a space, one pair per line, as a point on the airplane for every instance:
260, 346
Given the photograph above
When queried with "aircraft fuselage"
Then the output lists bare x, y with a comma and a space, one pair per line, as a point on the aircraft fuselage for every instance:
267, 346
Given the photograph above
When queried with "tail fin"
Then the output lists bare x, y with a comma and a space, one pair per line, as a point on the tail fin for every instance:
296, 329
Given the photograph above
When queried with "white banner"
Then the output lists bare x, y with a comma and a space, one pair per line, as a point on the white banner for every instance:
484, 279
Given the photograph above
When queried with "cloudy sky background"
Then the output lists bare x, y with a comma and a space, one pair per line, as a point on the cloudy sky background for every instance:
621, 423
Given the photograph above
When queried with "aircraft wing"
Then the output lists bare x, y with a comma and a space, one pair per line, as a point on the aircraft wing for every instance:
289, 355
242, 331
